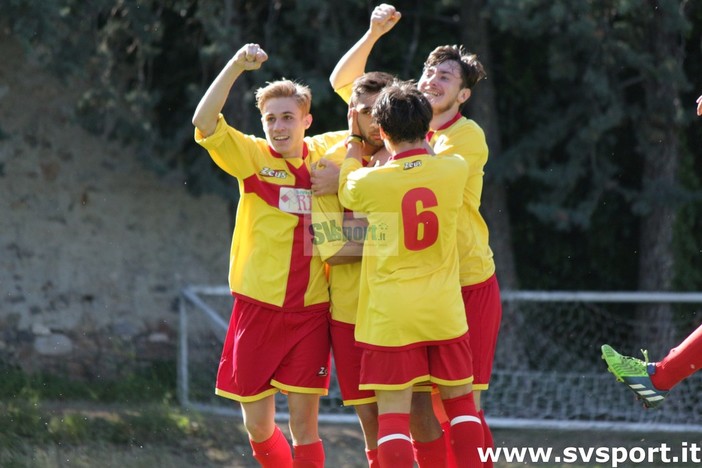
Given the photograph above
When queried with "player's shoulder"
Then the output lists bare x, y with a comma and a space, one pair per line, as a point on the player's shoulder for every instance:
452, 159
336, 153
464, 125
232, 142
451, 164
323, 142
371, 172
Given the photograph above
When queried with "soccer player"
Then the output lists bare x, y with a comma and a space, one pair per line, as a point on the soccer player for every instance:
278, 336
411, 323
340, 245
651, 381
447, 80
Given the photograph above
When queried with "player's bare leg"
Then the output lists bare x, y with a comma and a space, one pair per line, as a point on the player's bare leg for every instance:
368, 417
259, 418
476, 399
304, 429
428, 438
423, 423
304, 411
270, 448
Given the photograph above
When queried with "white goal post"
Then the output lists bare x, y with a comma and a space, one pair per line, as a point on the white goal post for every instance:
547, 372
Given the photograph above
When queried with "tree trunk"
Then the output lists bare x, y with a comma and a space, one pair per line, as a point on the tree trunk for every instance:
483, 109
658, 139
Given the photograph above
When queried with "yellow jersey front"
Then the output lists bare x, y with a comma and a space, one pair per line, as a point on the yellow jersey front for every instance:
272, 258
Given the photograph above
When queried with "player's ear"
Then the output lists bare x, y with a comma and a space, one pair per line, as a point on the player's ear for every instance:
464, 95
307, 120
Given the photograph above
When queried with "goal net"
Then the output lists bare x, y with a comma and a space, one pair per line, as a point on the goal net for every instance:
548, 371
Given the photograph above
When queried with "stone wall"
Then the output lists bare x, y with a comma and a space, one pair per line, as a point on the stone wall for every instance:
94, 248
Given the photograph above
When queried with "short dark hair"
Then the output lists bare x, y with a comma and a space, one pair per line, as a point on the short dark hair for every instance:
472, 70
370, 83
403, 112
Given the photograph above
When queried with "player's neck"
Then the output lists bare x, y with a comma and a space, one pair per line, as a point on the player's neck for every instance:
293, 153
403, 146
439, 120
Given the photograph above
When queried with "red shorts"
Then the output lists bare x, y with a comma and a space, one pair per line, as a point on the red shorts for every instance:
347, 360
267, 350
484, 314
448, 364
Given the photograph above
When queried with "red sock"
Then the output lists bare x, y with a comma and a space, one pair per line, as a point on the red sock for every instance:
488, 441
450, 457
309, 455
372, 457
394, 443
273, 452
466, 430
440, 414
680, 363
430, 454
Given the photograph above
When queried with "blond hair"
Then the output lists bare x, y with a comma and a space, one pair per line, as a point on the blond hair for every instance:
283, 89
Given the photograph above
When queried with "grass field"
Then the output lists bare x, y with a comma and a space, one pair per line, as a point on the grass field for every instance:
135, 422
159, 435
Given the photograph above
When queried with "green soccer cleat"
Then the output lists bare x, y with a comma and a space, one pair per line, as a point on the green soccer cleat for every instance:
635, 374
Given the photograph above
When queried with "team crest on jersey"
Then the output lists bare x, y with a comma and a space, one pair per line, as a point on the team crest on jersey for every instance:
323, 372
412, 164
268, 172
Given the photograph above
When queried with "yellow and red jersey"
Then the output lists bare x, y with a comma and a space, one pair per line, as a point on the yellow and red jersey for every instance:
463, 137
272, 260
329, 236
409, 291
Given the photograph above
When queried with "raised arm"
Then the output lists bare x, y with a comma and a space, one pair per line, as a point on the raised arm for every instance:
249, 57
699, 105
353, 63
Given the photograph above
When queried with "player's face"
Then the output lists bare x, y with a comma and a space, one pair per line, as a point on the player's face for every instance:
369, 129
442, 86
284, 124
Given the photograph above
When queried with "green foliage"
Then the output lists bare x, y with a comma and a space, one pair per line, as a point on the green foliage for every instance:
23, 415
583, 96
154, 383
28, 420
585, 103
20, 416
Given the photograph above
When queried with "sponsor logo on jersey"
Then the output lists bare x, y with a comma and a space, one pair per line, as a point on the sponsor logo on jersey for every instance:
323, 372
268, 172
295, 200
412, 164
